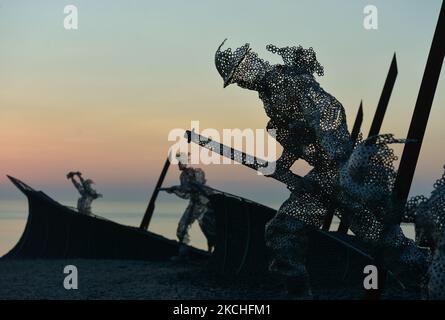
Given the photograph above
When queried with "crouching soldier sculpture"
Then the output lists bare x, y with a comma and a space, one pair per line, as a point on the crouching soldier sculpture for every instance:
193, 187
87, 193
428, 214
354, 178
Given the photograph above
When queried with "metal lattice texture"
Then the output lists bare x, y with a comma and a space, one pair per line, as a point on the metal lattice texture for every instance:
428, 214
289, 252
369, 172
366, 182
87, 193
429, 217
354, 178
311, 125
191, 187
436, 273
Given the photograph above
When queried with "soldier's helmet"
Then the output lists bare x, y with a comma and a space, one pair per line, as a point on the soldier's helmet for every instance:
227, 62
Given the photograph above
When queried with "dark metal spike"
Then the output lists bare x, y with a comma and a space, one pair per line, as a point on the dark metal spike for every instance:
421, 113
354, 135
151, 205
377, 121
358, 123
384, 98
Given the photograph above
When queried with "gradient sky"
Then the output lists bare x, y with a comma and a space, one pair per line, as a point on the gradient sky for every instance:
102, 99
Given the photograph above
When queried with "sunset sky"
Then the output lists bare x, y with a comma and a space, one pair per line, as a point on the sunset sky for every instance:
102, 99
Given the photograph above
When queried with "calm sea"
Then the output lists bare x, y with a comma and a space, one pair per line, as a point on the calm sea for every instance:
13, 215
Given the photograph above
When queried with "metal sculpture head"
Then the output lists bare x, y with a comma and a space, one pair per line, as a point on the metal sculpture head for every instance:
227, 62
248, 71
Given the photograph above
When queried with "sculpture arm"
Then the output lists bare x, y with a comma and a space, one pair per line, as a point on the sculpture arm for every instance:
179, 191
327, 117
77, 185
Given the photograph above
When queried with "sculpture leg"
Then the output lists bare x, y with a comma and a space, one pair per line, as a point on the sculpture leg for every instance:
287, 242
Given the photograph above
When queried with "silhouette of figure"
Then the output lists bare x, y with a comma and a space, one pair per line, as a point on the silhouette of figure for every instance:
355, 178
428, 214
193, 187
87, 193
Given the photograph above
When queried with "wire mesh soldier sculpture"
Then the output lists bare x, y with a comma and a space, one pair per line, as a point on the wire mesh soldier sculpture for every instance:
87, 193
352, 177
428, 214
193, 187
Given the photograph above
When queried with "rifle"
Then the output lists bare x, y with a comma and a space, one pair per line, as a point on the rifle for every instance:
292, 181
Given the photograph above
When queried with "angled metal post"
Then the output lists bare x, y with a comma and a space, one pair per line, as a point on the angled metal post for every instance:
379, 116
151, 205
421, 113
354, 134
358, 123
384, 98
